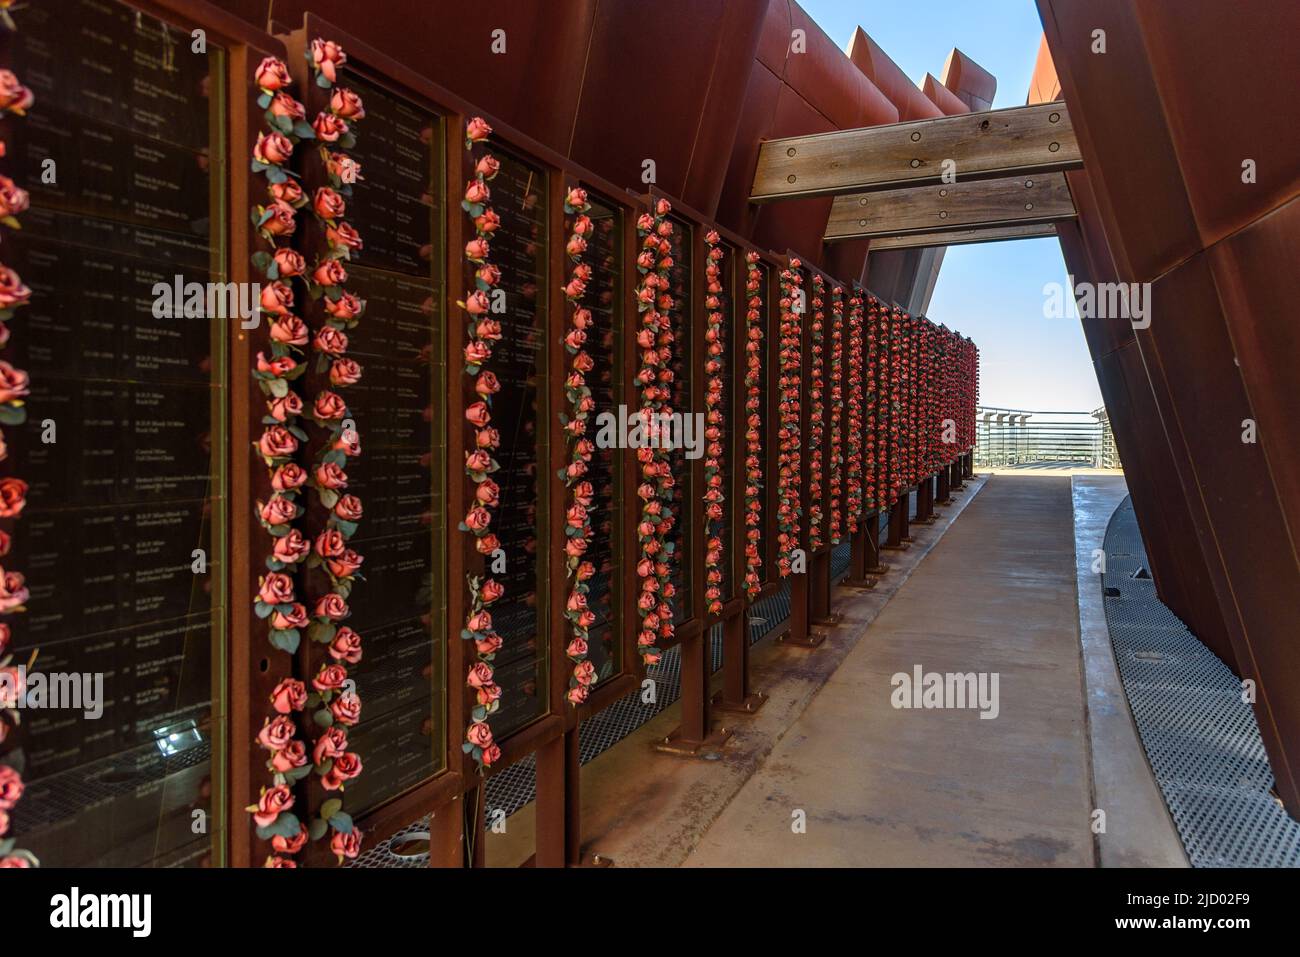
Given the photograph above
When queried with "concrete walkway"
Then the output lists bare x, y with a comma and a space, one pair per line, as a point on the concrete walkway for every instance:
858, 782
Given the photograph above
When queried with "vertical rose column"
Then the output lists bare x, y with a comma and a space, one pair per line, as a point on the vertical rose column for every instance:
753, 423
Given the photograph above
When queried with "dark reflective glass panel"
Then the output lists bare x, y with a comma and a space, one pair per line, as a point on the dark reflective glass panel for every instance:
129, 496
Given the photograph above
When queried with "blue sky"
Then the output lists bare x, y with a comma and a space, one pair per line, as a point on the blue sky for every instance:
994, 292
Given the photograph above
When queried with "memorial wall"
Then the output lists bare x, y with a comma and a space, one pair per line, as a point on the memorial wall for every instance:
279, 368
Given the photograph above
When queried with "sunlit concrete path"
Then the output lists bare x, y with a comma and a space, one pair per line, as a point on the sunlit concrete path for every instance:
879, 785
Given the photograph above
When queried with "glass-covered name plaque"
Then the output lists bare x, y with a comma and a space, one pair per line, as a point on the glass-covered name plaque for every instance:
519, 249
683, 535
604, 345
400, 607
759, 299
122, 541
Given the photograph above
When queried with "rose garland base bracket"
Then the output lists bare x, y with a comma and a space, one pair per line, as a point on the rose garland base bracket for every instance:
860, 584
747, 705
814, 638
710, 747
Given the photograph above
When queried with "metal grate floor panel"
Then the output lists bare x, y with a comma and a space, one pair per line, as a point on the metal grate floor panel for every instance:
1200, 737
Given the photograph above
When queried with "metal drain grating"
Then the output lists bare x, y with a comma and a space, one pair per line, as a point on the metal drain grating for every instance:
1201, 739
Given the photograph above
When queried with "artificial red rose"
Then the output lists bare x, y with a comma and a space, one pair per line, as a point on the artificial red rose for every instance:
487, 438
289, 695
276, 732
280, 219
329, 128
485, 385
487, 222
330, 678
344, 372
487, 493
290, 845
346, 767
479, 675
347, 104
477, 191
289, 330
331, 341
12, 291
488, 645
330, 543
346, 646
330, 272
328, 204
327, 57
348, 508
576, 648
479, 734
478, 461
329, 475
13, 383
13, 200
346, 708
477, 249
487, 544
329, 407
288, 477
278, 511
585, 673
490, 591
343, 168
332, 607
287, 192
11, 787
272, 74
277, 298
347, 845
332, 742
343, 236
477, 130
480, 621
5, 638
276, 589
14, 97
272, 149
576, 246
271, 803
488, 167
282, 104
478, 415
296, 617
347, 306
345, 565
13, 496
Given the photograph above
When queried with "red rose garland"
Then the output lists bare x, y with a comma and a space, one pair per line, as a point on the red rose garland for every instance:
894, 482
856, 439
333, 694
753, 422
874, 447
16, 99
277, 446
714, 496
655, 339
577, 523
837, 412
816, 414
789, 464
482, 331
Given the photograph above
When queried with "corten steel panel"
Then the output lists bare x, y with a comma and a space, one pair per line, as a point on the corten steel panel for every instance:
847, 259
1087, 256
1259, 287
756, 114
534, 85
1232, 477
830, 83
973, 85
1044, 85
876, 66
647, 80
942, 97
774, 34
1226, 74
1126, 146
797, 224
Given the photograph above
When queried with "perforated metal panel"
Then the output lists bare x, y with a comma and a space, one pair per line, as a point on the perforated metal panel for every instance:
1200, 737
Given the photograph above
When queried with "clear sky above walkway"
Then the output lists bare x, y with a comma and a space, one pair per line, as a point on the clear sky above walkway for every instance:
994, 292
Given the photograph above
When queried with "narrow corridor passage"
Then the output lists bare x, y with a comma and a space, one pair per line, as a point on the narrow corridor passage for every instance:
857, 781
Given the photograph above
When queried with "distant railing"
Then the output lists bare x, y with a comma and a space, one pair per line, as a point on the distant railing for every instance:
1007, 437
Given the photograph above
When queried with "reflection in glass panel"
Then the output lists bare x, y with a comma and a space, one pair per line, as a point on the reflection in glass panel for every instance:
683, 534
519, 248
400, 608
135, 482
604, 344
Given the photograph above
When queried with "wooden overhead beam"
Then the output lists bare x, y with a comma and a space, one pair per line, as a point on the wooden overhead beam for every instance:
957, 207
961, 237
1022, 141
